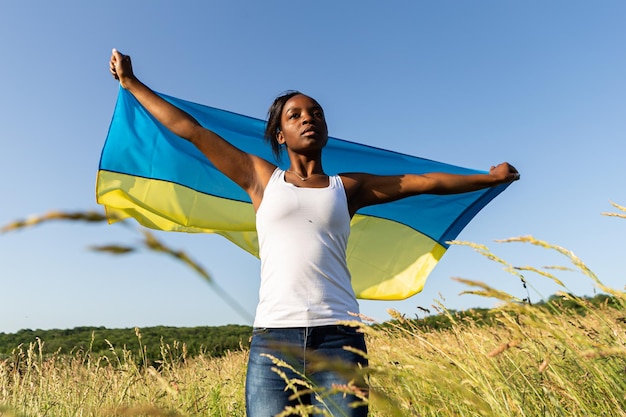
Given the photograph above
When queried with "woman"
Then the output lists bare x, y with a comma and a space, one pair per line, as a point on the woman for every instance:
303, 222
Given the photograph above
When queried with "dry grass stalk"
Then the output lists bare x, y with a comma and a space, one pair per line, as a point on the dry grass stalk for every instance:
503, 347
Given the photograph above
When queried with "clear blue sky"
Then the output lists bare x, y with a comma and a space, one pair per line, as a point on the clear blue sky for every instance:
541, 84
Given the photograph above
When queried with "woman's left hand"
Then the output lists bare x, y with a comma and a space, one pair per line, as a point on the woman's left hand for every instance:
504, 172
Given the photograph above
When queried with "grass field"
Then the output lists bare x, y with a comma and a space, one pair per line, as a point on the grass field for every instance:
530, 361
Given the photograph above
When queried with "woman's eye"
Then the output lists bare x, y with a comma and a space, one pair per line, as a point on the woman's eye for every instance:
293, 115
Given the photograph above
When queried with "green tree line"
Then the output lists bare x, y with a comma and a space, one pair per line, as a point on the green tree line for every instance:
152, 343
556, 304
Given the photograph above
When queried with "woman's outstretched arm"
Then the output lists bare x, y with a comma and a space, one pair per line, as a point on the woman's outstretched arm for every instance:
248, 171
366, 189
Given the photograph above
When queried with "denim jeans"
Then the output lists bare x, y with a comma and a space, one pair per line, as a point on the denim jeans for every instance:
266, 391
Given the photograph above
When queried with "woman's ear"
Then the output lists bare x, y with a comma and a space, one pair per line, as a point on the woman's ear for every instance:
280, 138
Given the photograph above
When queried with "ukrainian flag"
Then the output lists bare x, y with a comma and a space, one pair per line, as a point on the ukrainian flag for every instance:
165, 183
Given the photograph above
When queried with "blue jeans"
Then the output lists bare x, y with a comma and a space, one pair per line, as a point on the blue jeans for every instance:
266, 392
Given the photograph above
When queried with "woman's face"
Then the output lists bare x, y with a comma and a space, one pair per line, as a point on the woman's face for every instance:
303, 126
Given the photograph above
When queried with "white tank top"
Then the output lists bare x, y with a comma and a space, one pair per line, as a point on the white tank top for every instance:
303, 233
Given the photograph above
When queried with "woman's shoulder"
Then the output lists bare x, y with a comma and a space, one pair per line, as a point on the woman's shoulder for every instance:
352, 181
353, 177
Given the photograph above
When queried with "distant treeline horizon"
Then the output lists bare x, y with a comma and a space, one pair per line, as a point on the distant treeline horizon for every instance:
156, 341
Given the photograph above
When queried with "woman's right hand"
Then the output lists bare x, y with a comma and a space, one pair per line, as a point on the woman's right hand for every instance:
121, 68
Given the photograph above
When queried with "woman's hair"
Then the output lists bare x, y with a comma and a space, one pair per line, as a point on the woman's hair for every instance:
273, 125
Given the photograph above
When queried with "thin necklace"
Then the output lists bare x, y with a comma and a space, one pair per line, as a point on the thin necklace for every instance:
305, 178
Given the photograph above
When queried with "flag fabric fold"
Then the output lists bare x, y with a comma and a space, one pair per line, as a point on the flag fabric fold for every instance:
164, 182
